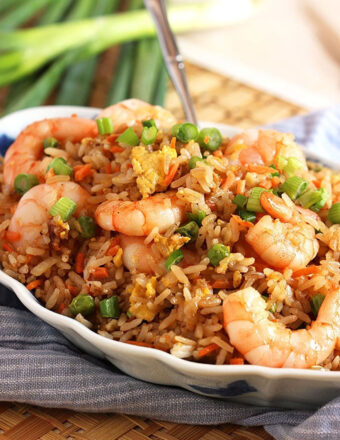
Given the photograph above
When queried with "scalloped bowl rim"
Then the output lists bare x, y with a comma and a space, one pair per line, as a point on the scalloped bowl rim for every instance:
60, 321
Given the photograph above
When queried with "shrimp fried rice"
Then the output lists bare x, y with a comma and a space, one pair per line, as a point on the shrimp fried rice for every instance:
153, 233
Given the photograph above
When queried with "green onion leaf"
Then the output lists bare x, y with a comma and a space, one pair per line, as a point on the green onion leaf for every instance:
310, 198
187, 132
64, 207
210, 138
217, 253
293, 164
320, 204
83, 304
193, 161
109, 307
149, 123
197, 216
128, 137
50, 142
174, 258
334, 213
104, 125
60, 167
24, 182
294, 186
88, 226
149, 135
189, 230
246, 215
253, 203
240, 201
315, 303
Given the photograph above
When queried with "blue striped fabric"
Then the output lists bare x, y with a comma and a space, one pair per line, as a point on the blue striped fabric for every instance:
39, 366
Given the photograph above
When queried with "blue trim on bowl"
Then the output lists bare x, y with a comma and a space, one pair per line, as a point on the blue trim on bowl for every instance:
5, 142
233, 389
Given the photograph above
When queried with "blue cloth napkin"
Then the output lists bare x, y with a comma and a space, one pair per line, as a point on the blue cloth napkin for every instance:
39, 366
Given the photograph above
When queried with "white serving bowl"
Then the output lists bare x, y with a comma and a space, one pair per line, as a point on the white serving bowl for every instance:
291, 388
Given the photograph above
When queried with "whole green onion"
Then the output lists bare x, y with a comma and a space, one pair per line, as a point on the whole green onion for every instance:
65, 207
197, 216
189, 230
334, 213
88, 226
294, 186
60, 167
24, 182
210, 138
104, 125
246, 215
253, 203
109, 307
240, 201
83, 304
149, 135
50, 142
315, 303
217, 253
187, 132
174, 258
128, 137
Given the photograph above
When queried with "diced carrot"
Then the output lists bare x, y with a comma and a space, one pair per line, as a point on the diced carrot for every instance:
267, 184
236, 361
7, 247
83, 172
140, 344
50, 173
116, 149
116, 169
100, 272
208, 349
112, 250
240, 187
33, 284
173, 142
12, 236
79, 266
171, 174
73, 289
108, 169
260, 169
242, 222
129, 165
113, 137
276, 181
219, 284
29, 259
309, 270
211, 204
218, 153
226, 184
61, 308
317, 184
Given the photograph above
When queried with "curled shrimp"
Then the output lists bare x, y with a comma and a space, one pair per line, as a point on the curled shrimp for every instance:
33, 209
268, 343
261, 147
139, 218
287, 242
130, 111
26, 153
140, 257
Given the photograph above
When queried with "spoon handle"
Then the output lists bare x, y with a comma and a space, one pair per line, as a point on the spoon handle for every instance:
172, 58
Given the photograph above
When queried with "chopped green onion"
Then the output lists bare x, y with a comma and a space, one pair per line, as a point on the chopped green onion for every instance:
174, 258
293, 164
210, 138
275, 174
309, 198
273, 308
129, 137
315, 303
64, 207
217, 253
321, 203
189, 230
149, 135
240, 201
294, 186
104, 125
197, 216
334, 213
174, 129
83, 304
88, 226
24, 182
193, 161
109, 307
253, 203
246, 215
187, 132
281, 162
149, 123
50, 142
60, 167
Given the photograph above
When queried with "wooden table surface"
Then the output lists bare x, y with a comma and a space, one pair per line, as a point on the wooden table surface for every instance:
217, 99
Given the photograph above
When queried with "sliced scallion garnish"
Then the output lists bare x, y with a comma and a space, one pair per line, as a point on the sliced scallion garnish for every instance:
246, 215
149, 135
294, 186
50, 142
174, 258
60, 167
88, 226
197, 216
309, 198
104, 125
65, 207
24, 182
129, 137
334, 213
189, 230
315, 303
293, 164
253, 203
320, 204
240, 201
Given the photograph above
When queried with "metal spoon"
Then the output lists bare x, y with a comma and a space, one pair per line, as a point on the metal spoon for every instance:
172, 58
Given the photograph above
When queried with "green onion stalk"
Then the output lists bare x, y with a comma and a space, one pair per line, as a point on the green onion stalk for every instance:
27, 50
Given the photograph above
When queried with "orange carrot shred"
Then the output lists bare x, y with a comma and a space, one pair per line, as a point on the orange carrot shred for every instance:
228, 181
100, 272
12, 236
242, 222
116, 170
239, 187
129, 165
276, 181
61, 308
219, 284
261, 169
171, 174
317, 184
310, 270
236, 361
267, 184
112, 250
173, 142
33, 284
79, 266
50, 173
7, 247
83, 172
108, 169
116, 149
208, 349
73, 289
218, 153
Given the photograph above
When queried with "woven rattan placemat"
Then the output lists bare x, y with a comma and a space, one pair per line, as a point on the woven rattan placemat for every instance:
217, 99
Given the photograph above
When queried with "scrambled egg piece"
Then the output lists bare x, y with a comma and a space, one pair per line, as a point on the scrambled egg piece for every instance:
149, 167
140, 310
166, 245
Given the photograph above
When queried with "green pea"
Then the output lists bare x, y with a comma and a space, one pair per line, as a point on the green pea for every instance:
210, 138
187, 132
217, 252
83, 304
